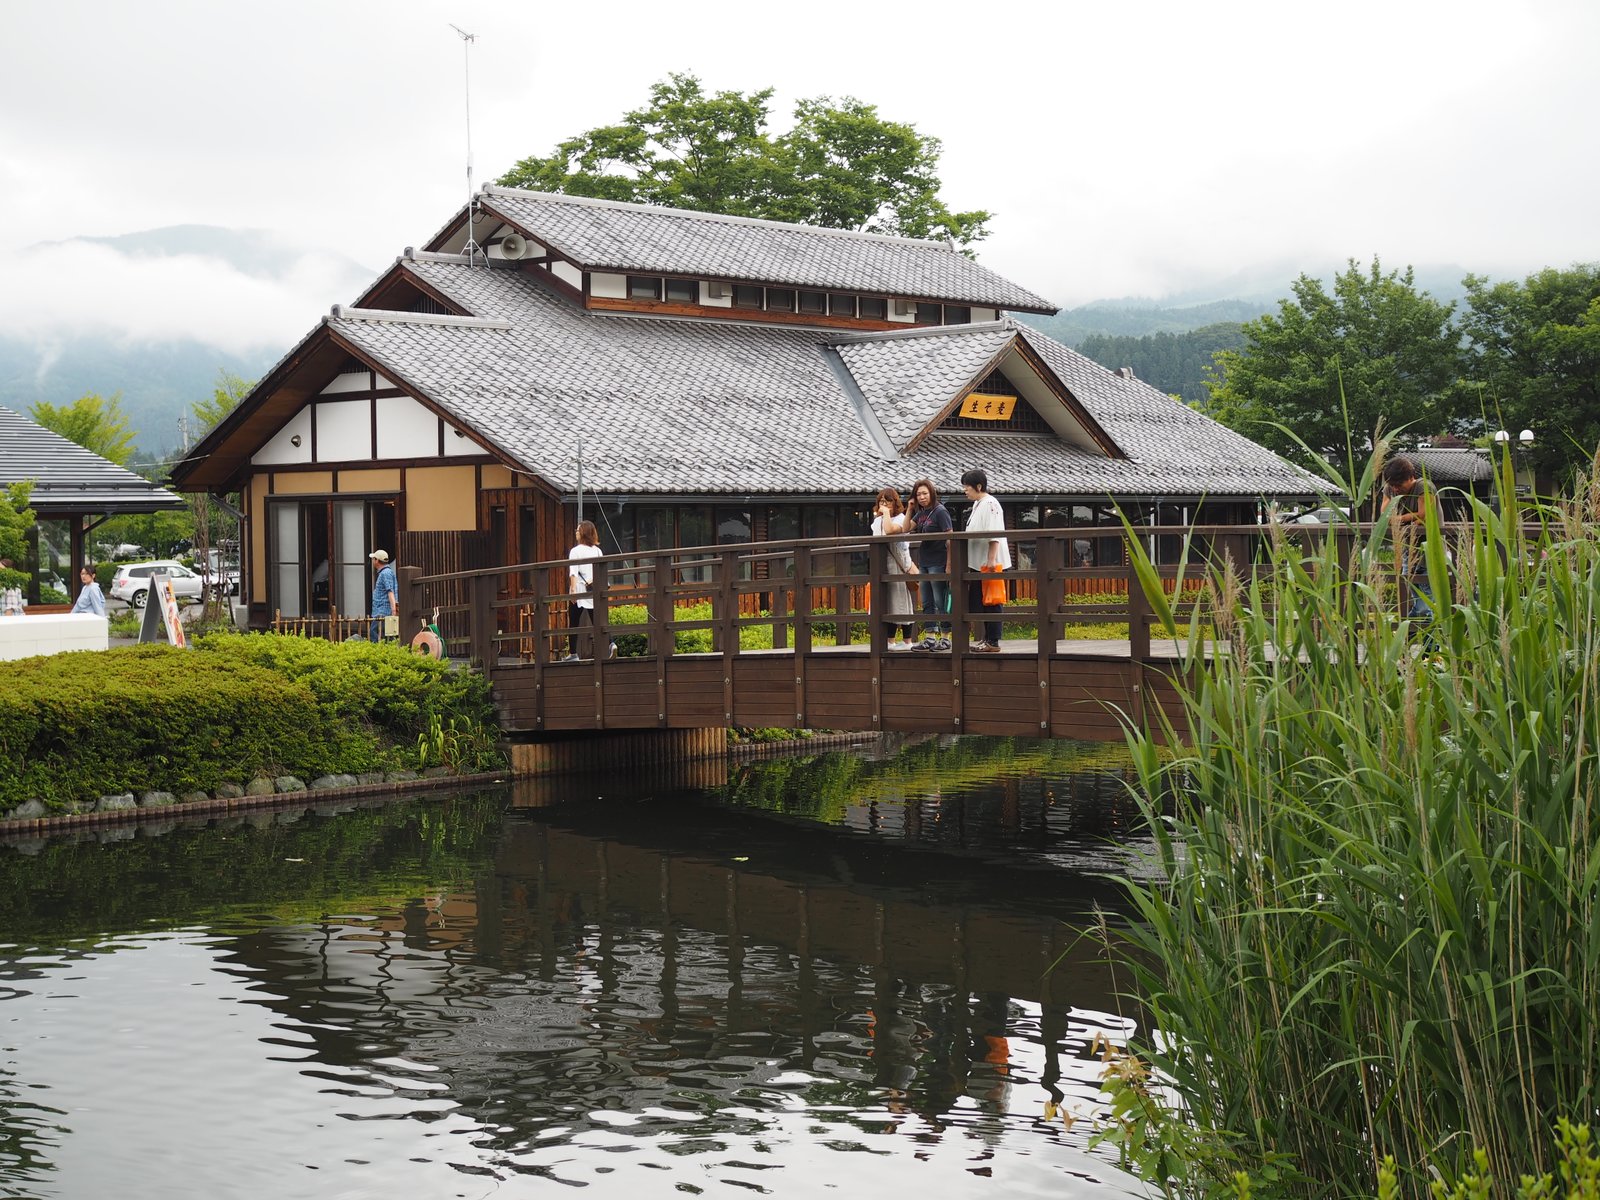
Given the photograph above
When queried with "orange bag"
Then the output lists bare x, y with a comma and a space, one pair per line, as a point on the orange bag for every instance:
994, 590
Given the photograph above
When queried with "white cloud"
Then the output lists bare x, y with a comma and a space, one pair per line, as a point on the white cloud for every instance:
78, 288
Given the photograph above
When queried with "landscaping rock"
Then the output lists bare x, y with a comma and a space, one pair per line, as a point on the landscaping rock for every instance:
288, 783
229, 791
115, 803
28, 810
399, 776
369, 778
194, 798
73, 807
259, 787
436, 772
157, 799
324, 782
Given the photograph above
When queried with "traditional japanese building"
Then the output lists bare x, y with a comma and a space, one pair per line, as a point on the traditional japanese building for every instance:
696, 379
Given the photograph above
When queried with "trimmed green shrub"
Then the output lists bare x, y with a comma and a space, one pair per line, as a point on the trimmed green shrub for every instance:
77, 726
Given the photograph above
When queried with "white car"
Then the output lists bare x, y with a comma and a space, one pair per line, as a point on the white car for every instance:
132, 581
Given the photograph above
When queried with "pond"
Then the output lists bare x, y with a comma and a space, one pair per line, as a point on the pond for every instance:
837, 974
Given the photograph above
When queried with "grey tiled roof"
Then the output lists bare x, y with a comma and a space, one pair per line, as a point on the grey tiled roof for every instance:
69, 479
1454, 466
908, 379
607, 235
725, 408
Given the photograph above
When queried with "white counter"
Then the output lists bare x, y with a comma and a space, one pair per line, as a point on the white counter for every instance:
51, 633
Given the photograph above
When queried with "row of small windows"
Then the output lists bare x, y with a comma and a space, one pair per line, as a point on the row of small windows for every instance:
755, 298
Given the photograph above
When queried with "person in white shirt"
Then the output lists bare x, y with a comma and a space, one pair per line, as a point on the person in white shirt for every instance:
985, 517
580, 578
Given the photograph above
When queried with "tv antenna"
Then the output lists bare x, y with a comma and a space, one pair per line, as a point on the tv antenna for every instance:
471, 248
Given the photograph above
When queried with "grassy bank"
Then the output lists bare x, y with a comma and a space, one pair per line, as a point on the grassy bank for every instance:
74, 727
1378, 932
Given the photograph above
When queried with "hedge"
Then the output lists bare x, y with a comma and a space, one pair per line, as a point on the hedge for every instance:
74, 727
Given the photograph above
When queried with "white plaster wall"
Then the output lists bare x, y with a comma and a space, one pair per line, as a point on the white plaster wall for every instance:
344, 430
280, 449
907, 318
612, 287
454, 445
984, 314
356, 381
567, 273
711, 301
406, 429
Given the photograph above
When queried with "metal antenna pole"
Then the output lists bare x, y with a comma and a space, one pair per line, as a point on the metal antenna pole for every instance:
466, 70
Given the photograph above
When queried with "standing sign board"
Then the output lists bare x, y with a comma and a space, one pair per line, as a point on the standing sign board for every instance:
161, 613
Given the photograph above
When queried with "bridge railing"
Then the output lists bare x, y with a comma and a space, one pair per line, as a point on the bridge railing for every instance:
808, 596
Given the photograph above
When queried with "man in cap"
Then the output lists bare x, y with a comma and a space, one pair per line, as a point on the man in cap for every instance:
384, 601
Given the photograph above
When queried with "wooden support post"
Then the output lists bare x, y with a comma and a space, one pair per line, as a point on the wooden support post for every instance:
960, 630
877, 626
1050, 559
599, 642
482, 637
802, 630
408, 601
662, 640
1138, 616
726, 610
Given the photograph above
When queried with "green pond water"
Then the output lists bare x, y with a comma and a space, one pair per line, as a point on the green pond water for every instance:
853, 973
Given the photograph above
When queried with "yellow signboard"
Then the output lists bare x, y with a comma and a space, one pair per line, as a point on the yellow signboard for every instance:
980, 407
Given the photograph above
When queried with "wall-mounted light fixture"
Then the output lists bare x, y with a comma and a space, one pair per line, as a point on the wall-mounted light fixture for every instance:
294, 440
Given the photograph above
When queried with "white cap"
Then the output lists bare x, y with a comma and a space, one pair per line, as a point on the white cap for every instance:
379, 555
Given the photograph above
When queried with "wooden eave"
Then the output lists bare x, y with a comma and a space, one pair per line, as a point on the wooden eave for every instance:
1093, 428
221, 462
400, 275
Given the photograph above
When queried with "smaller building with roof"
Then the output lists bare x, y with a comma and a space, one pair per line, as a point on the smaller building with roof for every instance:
74, 491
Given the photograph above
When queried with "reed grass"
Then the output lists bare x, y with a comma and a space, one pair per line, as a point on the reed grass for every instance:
1376, 932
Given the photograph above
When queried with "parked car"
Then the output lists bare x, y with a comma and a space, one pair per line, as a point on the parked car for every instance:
132, 581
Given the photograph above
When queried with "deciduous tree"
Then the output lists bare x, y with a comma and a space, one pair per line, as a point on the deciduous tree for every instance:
93, 422
16, 518
1536, 360
1390, 350
841, 165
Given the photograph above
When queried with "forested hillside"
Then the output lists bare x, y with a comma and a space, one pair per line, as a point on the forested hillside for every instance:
1174, 362
1071, 325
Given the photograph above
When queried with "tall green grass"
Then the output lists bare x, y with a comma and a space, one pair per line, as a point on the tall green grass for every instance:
1376, 931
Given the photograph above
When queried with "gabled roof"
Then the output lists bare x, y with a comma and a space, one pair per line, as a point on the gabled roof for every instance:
680, 406
69, 480
606, 235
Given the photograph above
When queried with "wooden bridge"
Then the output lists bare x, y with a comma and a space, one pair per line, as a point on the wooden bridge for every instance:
784, 634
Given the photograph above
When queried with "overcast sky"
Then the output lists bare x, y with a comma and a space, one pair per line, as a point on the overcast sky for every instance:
1125, 148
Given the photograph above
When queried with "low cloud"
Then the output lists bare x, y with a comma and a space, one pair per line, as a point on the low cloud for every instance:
81, 289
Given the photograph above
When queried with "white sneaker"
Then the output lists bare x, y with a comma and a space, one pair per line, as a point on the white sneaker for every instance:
899, 645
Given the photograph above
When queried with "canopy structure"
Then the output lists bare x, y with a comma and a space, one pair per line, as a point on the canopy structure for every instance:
71, 486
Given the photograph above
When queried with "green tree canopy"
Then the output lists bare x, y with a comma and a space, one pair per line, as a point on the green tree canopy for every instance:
841, 165
1536, 360
93, 422
15, 519
1393, 350
224, 398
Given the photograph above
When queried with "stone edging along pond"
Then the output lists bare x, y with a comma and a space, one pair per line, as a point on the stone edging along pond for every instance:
285, 792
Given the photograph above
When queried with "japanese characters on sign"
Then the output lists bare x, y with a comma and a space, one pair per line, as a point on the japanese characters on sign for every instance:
981, 407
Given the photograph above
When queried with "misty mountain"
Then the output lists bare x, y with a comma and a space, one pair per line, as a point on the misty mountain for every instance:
160, 379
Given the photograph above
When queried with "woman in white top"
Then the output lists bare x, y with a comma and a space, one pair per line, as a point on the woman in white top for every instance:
580, 578
896, 605
986, 516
